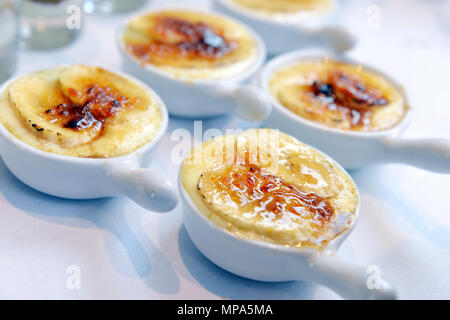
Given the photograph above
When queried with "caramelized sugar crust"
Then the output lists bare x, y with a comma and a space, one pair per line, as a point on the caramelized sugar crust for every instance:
265, 185
339, 95
260, 192
348, 95
81, 111
99, 103
191, 45
192, 40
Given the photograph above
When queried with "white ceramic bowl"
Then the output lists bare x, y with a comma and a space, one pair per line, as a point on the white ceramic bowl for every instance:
282, 36
202, 97
86, 178
263, 261
350, 148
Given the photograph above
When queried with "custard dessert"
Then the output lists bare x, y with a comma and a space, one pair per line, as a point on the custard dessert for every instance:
190, 45
80, 111
267, 186
286, 10
339, 95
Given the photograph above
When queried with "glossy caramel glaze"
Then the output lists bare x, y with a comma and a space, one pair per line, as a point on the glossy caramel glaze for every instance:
81, 111
195, 40
265, 185
99, 104
339, 95
347, 95
189, 44
260, 192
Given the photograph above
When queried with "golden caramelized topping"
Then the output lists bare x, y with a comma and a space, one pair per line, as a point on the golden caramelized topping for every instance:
178, 37
190, 45
287, 8
349, 95
339, 95
291, 196
99, 103
259, 192
82, 111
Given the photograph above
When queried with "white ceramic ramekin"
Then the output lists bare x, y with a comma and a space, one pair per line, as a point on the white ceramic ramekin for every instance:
200, 97
83, 178
263, 261
282, 36
350, 148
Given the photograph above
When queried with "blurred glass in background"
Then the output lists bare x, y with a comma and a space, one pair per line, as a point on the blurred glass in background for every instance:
48, 24
9, 37
112, 6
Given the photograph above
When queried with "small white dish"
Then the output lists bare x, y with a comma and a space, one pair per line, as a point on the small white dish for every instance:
354, 149
89, 178
202, 97
263, 261
281, 36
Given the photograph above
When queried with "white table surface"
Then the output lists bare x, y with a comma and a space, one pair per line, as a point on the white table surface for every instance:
125, 252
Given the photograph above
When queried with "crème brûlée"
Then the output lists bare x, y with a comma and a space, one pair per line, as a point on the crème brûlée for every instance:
80, 111
287, 9
191, 45
339, 95
265, 185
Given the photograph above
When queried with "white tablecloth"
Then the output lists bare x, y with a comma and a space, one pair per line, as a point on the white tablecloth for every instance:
125, 252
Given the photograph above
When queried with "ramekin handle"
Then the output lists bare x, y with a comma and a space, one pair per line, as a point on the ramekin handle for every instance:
248, 102
431, 154
149, 188
351, 281
251, 103
334, 37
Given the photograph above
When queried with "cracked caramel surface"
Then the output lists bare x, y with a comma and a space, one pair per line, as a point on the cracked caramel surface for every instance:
190, 45
297, 198
190, 40
81, 111
339, 95
97, 105
258, 192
